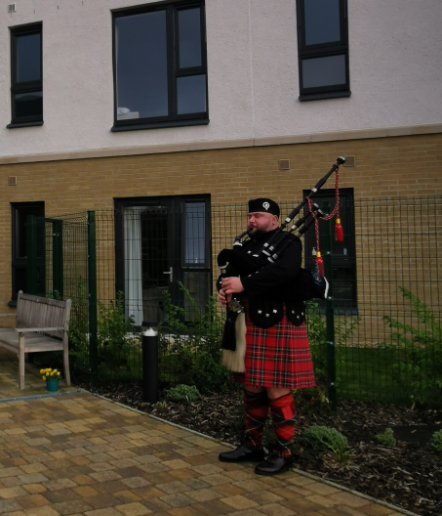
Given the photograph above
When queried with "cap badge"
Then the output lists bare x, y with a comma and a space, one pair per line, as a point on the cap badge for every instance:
266, 205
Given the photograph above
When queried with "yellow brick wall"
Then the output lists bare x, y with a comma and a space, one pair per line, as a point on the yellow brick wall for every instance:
385, 167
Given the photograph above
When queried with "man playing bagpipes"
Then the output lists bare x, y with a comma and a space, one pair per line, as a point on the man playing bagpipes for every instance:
275, 357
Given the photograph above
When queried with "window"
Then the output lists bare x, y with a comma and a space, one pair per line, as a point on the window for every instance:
20, 213
160, 70
26, 76
343, 253
323, 49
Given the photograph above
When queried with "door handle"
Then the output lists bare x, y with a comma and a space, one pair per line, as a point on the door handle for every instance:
170, 272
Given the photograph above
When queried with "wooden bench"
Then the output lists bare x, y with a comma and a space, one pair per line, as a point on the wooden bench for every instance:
42, 325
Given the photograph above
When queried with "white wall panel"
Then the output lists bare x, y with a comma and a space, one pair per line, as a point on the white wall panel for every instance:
395, 74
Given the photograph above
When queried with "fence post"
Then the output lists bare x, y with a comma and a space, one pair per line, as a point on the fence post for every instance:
92, 288
329, 315
150, 365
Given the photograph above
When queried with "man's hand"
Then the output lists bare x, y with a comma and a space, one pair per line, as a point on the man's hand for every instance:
231, 286
223, 299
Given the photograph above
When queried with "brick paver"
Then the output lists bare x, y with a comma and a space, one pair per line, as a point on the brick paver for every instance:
77, 454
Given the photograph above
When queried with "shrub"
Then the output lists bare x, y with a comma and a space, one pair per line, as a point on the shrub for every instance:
436, 441
419, 352
323, 438
312, 401
79, 321
190, 344
210, 375
115, 343
182, 392
317, 334
386, 438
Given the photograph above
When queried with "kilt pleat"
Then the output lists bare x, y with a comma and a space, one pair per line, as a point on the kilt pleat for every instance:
278, 356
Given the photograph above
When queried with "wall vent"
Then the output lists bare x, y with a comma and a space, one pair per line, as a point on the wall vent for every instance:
284, 164
12, 181
12, 8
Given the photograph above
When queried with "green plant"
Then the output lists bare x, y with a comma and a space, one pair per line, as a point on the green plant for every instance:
323, 438
79, 321
115, 328
182, 392
113, 323
317, 334
313, 400
115, 341
55, 294
419, 352
436, 441
386, 438
189, 345
210, 375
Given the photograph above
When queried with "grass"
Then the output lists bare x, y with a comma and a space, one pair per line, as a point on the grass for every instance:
367, 374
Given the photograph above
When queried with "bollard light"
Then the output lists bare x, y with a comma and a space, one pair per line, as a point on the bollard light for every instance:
150, 365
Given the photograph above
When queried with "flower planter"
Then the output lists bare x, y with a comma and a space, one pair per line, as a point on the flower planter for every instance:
52, 384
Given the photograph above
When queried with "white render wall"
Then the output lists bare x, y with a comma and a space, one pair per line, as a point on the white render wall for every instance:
395, 74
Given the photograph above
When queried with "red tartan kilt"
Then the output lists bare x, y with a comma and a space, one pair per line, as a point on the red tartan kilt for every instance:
277, 357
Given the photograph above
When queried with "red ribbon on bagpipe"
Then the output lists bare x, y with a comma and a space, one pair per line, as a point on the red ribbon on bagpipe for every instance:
339, 232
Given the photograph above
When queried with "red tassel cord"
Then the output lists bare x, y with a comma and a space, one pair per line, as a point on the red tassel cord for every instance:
339, 231
320, 264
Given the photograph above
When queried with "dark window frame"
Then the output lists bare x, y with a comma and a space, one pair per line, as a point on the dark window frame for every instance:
26, 86
173, 71
313, 51
19, 262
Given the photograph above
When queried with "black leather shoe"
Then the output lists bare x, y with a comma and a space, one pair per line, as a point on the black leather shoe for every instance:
273, 465
242, 454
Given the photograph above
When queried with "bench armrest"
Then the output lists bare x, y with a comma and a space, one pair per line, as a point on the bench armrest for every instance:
29, 330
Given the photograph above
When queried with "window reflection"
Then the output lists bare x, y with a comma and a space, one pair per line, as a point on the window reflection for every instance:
195, 241
141, 61
28, 67
191, 94
189, 29
322, 21
323, 71
28, 104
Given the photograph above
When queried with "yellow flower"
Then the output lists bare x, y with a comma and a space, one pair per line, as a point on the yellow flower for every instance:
49, 373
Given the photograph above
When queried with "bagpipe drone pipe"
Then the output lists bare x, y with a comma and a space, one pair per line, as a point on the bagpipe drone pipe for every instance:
306, 284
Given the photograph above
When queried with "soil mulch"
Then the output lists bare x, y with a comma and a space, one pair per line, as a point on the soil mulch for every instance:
408, 475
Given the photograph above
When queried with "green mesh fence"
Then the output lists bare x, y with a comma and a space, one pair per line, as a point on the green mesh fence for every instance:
386, 293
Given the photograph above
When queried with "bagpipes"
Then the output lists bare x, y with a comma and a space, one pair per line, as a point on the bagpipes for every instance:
307, 284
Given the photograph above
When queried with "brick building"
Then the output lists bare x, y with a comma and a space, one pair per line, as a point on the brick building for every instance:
153, 108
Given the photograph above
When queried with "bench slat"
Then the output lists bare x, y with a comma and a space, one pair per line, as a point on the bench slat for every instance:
46, 330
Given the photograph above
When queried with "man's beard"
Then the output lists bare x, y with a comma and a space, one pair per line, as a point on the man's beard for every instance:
257, 234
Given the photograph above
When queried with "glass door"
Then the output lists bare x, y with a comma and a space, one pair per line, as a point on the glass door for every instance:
162, 244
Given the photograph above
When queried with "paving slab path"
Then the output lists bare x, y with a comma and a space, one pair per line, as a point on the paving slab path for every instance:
77, 454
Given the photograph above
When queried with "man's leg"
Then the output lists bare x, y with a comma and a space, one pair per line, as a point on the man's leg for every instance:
282, 413
256, 408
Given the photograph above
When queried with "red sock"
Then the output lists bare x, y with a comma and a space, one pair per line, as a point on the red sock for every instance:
282, 412
256, 407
